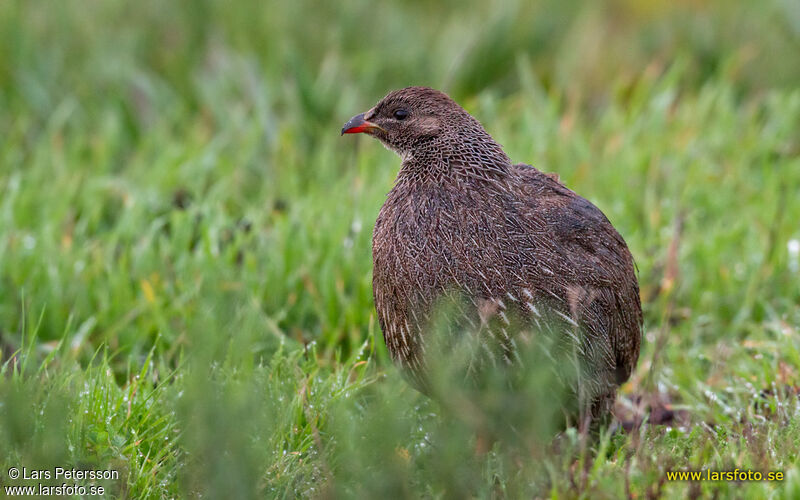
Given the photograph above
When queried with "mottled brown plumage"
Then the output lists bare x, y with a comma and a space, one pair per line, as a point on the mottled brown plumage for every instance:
462, 217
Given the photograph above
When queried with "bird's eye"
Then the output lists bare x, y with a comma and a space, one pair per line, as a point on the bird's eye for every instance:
400, 114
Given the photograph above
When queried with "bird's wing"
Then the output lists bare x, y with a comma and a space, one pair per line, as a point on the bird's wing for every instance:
598, 285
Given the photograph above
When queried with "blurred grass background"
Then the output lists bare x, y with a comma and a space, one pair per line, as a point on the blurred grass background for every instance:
185, 287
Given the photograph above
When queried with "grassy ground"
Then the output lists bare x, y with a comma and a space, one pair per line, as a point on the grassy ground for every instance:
185, 287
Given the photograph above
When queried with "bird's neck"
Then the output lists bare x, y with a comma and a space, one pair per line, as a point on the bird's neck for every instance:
456, 158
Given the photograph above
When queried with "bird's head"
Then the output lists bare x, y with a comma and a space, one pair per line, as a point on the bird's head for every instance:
408, 118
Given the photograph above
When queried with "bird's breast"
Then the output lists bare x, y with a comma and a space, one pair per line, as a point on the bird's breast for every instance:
435, 240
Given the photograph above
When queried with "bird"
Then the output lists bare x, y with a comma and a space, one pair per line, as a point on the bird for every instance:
511, 239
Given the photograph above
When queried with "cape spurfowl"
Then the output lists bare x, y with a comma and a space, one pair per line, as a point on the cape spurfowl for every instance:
513, 240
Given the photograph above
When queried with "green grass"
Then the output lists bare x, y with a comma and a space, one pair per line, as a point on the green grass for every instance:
185, 267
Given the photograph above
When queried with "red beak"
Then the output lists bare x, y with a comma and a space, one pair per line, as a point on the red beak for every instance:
358, 124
